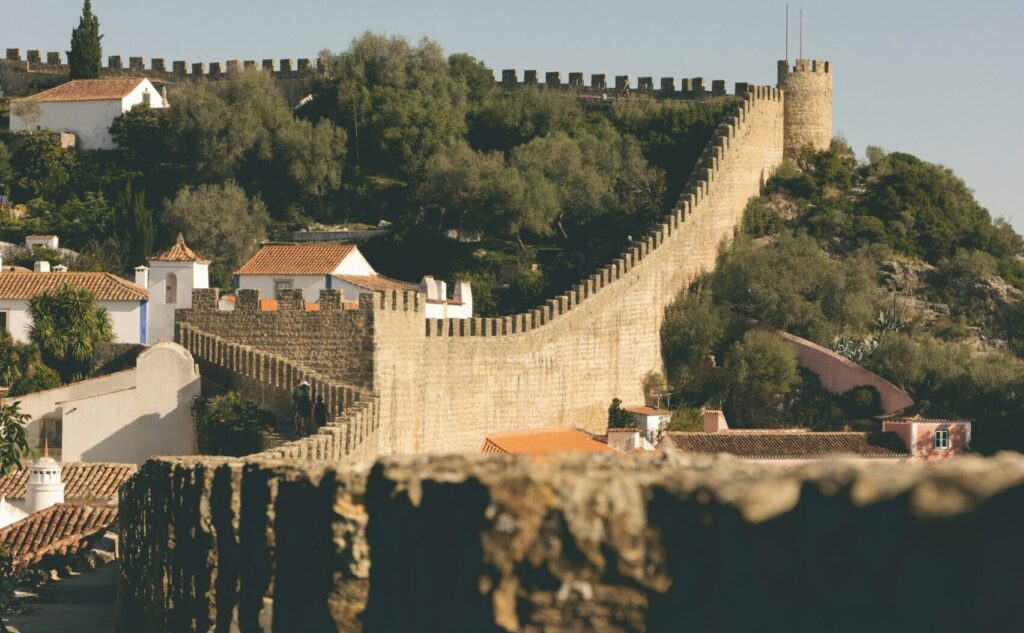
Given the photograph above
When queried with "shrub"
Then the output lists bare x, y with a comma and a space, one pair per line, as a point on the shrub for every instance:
861, 402
230, 425
619, 419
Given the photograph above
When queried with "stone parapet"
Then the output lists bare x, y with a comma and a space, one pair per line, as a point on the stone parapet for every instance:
606, 543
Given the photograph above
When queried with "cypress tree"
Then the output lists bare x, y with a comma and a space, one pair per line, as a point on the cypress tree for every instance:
136, 229
86, 51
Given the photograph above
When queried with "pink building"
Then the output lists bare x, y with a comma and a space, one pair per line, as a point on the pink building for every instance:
928, 432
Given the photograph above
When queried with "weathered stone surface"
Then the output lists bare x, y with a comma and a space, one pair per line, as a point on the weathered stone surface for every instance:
591, 543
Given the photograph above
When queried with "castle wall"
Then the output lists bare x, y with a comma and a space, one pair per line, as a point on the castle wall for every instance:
586, 543
561, 365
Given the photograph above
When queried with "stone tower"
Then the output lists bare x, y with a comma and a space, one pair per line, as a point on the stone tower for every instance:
808, 104
44, 487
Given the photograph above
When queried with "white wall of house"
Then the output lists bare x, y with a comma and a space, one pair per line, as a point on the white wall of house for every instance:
125, 318
124, 417
170, 287
311, 285
88, 120
354, 264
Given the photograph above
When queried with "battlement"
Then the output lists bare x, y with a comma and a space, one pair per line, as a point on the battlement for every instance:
817, 66
159, 68
698, 187
599, 85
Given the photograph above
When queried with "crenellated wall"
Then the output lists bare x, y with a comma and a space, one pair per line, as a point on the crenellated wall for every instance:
442, 385
603, 543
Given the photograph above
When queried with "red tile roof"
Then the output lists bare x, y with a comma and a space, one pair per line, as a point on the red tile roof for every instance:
789, 445
105, 286
84, 482
89, 90
180, 252
542, 441
377, 282
64, 528
645, 410
296, 259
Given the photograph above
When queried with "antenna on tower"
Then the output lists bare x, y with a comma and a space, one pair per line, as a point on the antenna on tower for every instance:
787, 32
801, 34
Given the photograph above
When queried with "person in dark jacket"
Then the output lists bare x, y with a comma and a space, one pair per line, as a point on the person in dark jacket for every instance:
319, 412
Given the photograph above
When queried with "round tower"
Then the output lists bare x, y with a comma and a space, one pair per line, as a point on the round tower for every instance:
807, 88
44, 487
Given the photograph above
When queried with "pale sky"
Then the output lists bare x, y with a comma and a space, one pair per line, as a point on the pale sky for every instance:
937, 78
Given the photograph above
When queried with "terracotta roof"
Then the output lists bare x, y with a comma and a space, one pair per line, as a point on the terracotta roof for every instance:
377, 282
39, 237
89, 90
790, 445
15, 269
923, 411
296, 259
180, 252
105, 286
271, 305
63, 528
85, 482
645, 410
542, 441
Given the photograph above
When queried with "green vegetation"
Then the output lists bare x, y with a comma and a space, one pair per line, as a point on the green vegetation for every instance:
618, 418
13, 437
86, 53
230, 425
890, 262
66, 325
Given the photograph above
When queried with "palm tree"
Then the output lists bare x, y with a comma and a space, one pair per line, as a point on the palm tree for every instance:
66, 325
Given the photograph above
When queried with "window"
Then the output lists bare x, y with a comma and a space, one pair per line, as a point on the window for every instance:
942, 440
145, 98
171, 288
3, 322
280, 286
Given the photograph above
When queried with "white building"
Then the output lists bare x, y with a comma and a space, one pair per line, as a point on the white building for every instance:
125, 417
170, 279
125, 302
84, 107
650, 420
315, 267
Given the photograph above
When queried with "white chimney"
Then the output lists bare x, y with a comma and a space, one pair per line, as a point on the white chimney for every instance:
1, 263
142, 276
44, 487
429, 287
60, 268
42, 266
714, 421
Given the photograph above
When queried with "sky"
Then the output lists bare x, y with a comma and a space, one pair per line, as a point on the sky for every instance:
940, 79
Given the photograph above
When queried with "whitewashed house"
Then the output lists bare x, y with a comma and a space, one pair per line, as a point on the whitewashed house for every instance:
85, 108
127, 416
125, 302
140, 312
315, 267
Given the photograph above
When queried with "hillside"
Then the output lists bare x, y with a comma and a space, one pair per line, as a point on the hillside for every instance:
890, 262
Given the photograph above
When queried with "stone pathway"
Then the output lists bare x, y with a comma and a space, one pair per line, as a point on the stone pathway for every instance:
83, 603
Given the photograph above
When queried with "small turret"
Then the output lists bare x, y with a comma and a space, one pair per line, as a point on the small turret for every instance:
44, 487
807, 88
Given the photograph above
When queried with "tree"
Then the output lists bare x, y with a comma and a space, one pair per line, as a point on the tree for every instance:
42, 168
691, 333
67, 323
13, 437
142, 132
760, 371
230, 425
135, 225
86, 52
6, 173
241, 223
620, 419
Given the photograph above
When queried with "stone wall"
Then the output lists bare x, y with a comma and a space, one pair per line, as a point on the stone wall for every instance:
652, 542
443, 384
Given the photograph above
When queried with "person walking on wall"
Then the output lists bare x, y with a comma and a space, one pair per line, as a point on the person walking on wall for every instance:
319, 413
302, 404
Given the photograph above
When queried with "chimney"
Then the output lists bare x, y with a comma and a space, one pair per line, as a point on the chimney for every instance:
42, 266
142, 276
60, 268
714, 421
429, 287
44, 487
463, 293
163, 95
1, 263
